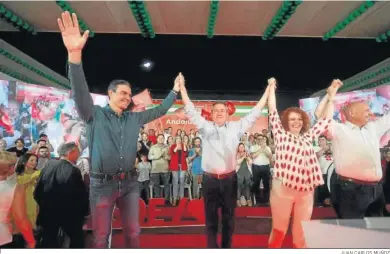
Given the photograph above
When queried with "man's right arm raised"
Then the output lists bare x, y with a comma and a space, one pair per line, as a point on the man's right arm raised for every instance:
190, 109
80, 91
74, 43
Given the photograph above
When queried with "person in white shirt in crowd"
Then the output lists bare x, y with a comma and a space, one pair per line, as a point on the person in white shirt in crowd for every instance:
244, 176
261, 168
144, 168
356, 151
220, 139
296, 171
167, 134
325, 158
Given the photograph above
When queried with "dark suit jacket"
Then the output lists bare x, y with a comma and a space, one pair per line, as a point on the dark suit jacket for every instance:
61, 194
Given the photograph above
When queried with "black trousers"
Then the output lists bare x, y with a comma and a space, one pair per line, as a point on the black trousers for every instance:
10, 245
357, 201
50, 238
18, 241
321, 193
219, 193
261, 173
334, 193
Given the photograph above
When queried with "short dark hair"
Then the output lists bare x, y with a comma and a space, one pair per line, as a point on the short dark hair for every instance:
41, 140
43, 135
322, 136
43, 147
162, 135
65, 148
264, 136
19, 139
115, 83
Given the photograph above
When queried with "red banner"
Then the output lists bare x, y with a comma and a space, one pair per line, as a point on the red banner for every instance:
177, 119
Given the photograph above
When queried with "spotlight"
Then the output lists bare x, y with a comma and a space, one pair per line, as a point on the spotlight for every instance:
147, 65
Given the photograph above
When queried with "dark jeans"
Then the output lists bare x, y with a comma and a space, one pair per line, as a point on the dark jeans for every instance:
219, 193
144, 188
356, 201
261, 173
156, 179
104, 195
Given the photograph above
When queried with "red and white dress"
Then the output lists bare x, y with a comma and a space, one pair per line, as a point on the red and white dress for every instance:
296, 163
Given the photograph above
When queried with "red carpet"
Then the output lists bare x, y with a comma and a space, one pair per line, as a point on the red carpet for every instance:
252, 229
199, 241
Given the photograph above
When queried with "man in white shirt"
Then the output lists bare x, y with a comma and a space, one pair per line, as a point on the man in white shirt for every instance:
220, 139
355, 146
167, 134
325, 159
262, 156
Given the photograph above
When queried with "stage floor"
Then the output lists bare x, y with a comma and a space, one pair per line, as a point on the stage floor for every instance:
250, 232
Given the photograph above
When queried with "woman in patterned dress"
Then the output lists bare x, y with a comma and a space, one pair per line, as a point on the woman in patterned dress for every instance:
296, 171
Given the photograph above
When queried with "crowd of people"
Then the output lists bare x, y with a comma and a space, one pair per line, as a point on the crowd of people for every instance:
340, 162
173, 161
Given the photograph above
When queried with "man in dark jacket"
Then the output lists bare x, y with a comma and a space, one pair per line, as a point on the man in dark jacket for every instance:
63, 200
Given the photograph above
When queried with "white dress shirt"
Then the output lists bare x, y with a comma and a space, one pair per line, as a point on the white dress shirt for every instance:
262, 159
356, 150
219, 143
324, 160
166, 136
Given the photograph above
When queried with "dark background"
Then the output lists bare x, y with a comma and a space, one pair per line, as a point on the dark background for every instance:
222, 67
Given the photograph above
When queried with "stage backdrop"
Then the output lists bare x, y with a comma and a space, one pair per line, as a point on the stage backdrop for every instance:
377, 98
177, 120
28, 110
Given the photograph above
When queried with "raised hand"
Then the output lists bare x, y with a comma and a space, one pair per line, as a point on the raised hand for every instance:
334, 87
182, 82
70, 32
272, 82
179, 82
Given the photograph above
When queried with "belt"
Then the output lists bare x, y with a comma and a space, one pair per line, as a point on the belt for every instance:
115, 177
220, 176
347, 179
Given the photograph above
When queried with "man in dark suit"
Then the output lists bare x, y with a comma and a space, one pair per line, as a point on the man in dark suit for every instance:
63, 200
